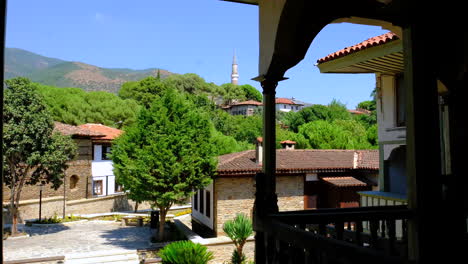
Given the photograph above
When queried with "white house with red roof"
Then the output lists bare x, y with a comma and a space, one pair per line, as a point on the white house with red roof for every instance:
287, 105
103, 178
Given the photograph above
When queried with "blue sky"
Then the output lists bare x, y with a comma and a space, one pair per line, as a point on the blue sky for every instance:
182, 36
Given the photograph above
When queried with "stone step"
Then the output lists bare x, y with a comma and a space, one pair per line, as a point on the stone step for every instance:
125, 256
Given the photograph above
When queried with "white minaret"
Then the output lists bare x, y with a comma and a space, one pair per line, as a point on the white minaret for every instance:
234, 74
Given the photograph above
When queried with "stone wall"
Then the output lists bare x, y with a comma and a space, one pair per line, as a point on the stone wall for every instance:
236, 195
79, 169
111, 203
29, 209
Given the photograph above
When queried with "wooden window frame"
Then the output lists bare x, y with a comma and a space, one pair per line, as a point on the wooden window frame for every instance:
104, 153
208, 204
400, 121
94, 187
202, 202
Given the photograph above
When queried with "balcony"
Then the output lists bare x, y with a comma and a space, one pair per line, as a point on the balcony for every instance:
341, 236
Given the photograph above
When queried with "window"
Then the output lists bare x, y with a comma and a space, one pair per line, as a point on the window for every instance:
97, 187
208, 204
195, 201
73, 181
106, 150
118, 188
284, 106
202, 202
400, 101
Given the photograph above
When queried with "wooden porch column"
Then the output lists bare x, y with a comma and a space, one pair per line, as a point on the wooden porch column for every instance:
266, 201
427, 230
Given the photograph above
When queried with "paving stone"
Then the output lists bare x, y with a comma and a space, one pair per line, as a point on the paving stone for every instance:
81, 237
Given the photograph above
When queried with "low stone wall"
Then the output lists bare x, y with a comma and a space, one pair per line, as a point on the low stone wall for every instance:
29, 209
111, 203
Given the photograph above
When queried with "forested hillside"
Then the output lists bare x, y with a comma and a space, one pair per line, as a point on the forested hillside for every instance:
319, 126
61, 73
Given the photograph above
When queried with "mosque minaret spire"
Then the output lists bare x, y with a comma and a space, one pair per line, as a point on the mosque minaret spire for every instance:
234, 74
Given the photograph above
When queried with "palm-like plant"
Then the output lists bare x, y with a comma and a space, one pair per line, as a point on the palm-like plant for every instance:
185, 252
238, 230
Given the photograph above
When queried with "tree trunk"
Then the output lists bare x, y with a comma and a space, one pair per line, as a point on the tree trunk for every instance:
136, 206
162, 223
14, 221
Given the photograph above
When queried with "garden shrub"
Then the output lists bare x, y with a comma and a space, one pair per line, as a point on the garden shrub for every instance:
185, 252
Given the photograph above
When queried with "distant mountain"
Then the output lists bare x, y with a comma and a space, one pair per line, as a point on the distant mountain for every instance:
51, 71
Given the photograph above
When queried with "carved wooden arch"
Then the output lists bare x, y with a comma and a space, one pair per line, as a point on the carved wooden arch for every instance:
301, 21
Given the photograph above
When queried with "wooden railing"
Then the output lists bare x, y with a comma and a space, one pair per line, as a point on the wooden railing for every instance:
341, 236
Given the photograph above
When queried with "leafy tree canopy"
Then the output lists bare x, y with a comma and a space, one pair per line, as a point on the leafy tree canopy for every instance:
32, 152
338, 134
75, 106
166, 154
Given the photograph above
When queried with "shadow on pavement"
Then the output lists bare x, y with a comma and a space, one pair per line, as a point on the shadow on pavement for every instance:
130, 237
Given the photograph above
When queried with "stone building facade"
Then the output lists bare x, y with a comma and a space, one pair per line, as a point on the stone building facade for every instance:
306, 179
80, 177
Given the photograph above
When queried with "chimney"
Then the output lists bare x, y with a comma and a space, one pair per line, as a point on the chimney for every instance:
259, 151
288, 144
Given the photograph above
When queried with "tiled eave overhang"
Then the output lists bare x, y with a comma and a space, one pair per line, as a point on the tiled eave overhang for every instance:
292, 172
384, 58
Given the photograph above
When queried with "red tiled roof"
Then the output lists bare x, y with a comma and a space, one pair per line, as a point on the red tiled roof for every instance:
109, 132
300, 160
71, 130
288, 142
359, 111
375, 41
346, 181
368, 159
249, 102
284, 101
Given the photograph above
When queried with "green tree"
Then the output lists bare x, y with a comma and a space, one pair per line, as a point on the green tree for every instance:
75, 106
189, 83
283, 134
238, 230
338, 134
251, 93
32, 152
166, 154
144, 91
308, 114
338, 111
231, 93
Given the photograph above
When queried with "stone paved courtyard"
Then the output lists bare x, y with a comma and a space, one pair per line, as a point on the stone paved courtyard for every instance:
79, 237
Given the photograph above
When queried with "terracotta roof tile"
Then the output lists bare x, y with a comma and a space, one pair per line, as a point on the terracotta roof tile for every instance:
108, 132
368, 159
300, 160
249, 102
71, 130
284, 101
346, 181
288, 142
375, 41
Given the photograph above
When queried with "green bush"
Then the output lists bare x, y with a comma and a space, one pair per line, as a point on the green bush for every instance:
185, 252
238, 230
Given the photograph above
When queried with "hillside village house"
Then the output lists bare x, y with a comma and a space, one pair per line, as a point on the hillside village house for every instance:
246, 108
434, 55
88, 177
307, 179
287, 105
